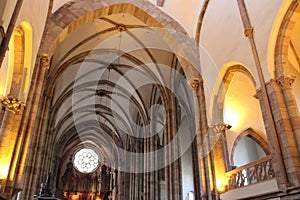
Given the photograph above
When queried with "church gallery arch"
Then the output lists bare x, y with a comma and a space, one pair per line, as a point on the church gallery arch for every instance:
226, 77
235, 104
258, 137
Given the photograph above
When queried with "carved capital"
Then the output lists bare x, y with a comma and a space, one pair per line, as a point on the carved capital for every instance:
248, 32
13, 105
195, 84
285, 82
45, 61
220, 127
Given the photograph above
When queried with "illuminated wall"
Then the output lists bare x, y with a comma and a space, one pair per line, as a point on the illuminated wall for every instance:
14, 82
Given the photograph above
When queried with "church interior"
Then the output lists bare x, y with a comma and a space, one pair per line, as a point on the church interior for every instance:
149, 99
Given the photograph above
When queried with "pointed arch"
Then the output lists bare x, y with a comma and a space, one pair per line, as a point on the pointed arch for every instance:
225, 79
281, 36
16, 73
259, 137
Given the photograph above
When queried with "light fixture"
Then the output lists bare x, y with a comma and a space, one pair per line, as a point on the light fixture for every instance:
13, 105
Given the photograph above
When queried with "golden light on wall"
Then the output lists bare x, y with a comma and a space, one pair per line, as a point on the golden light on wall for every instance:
232, 117
2, 90
7, 69
3, 168
221, 184
27, 54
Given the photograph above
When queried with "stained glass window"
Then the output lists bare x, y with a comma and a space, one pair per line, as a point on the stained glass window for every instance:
86, 160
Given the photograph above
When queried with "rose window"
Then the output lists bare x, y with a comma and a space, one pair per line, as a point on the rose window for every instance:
86, 160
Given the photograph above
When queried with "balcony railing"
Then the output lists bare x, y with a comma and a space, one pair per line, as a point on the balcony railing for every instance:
255, 172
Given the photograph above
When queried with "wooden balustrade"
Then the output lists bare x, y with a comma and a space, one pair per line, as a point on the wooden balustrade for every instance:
255, 172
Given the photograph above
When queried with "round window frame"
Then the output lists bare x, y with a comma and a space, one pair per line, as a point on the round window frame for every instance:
85, 172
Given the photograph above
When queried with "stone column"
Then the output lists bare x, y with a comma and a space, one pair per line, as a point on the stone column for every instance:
285, 84
279, 167
205, 157
172, 171
146, 188
120, 194
32, 128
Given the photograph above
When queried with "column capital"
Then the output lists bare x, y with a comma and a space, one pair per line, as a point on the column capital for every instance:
285, 81
13, 105
45, 61
220, 127
248, 32
195, 84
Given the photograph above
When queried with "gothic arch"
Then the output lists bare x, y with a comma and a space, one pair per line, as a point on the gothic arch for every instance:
226, 77
283, 36
200, 19
68, 18
257, 136
74, 17
16, 72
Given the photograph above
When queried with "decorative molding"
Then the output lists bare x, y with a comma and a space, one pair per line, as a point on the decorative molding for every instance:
285, 81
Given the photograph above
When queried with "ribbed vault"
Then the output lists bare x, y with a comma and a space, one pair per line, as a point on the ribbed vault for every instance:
113, 80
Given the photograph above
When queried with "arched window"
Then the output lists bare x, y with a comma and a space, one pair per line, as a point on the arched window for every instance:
16, 70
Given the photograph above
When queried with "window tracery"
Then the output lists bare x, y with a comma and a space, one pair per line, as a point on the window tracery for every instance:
86, 160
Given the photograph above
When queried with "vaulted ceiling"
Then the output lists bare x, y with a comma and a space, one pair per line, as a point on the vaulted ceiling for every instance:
110, 80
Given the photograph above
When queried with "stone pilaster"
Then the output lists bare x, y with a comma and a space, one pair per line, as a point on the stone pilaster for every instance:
286, 147
285, 84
